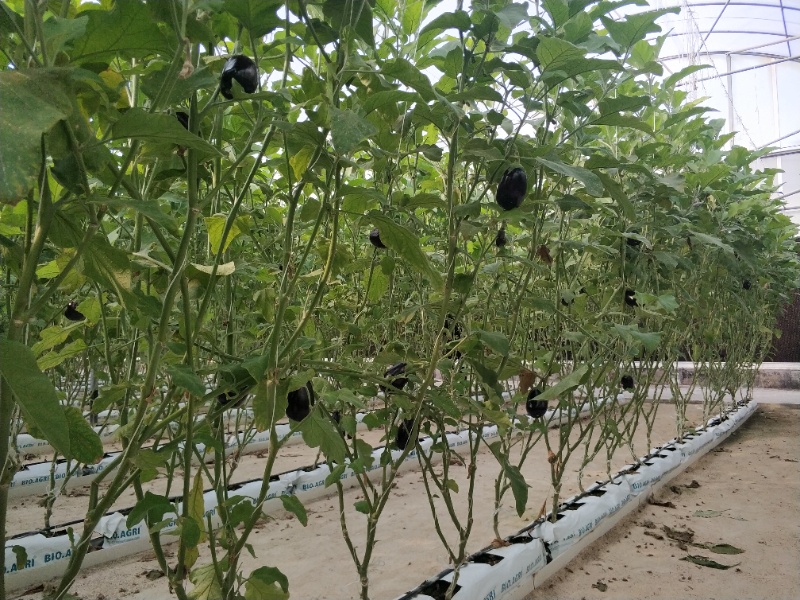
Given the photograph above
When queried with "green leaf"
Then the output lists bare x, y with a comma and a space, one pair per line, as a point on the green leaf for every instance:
707, 562
711, 240
452, 20
196, 505
378, 284
635, 26
35, 393
215, 225
53, 359
406, 244
266, 411
412, 15
362, 506
59, 32
320, 432
258, 16
348, 130
151, 509
409, 75
618, 193
560, 56
185, 377
84, 443
518, 487
110, 266
357, 15
21, 555
31, 102
206, 583
138, 124
148, 209
558, 11
194, 270
569, 383
624, 121
592, 183
267, 583
496, 341
390, 98
293, 505
127, 29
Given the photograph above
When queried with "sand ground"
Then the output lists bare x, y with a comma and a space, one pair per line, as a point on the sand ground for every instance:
752, 480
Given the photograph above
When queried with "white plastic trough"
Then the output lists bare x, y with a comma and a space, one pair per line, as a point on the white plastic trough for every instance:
540, 550
48, 552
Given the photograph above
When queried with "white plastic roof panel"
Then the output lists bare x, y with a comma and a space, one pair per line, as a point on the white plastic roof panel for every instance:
753, 50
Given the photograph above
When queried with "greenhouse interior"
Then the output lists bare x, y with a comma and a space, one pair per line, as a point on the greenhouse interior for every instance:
402, 300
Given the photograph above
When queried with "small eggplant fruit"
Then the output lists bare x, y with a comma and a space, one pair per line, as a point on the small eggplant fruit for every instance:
500, 239
512, 188
746, 284
404, 433
535, 408
626, 382
630, 298
183, 118
375, 238
300, 402
72, 312
242, 69
234, 398
392, 373
453, 326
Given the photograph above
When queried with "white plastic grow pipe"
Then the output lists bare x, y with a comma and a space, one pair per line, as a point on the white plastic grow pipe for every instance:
47, 557
525, 565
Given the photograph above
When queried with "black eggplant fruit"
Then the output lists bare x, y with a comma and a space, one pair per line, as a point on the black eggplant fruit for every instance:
512, 188
375, 238
500, 239
242, 69
234, 398
630, 298
183, 118
404, 433
72, 312
535, 408
392, 373
626, 382
746, 284
300, 402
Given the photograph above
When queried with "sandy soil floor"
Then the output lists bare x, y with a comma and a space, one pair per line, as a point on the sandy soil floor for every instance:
738, 480
747, 495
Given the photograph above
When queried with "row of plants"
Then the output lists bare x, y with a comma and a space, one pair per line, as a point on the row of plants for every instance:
305, 206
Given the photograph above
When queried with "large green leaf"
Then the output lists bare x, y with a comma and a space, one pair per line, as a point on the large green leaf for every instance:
407, 74
560, 56
141, 125
267, 583
349, 129
258, 16
35, 393
406, 244
31, 102
319, 432
356, 14
128, 29
590, 181
569, 383
84, 443
626, 32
